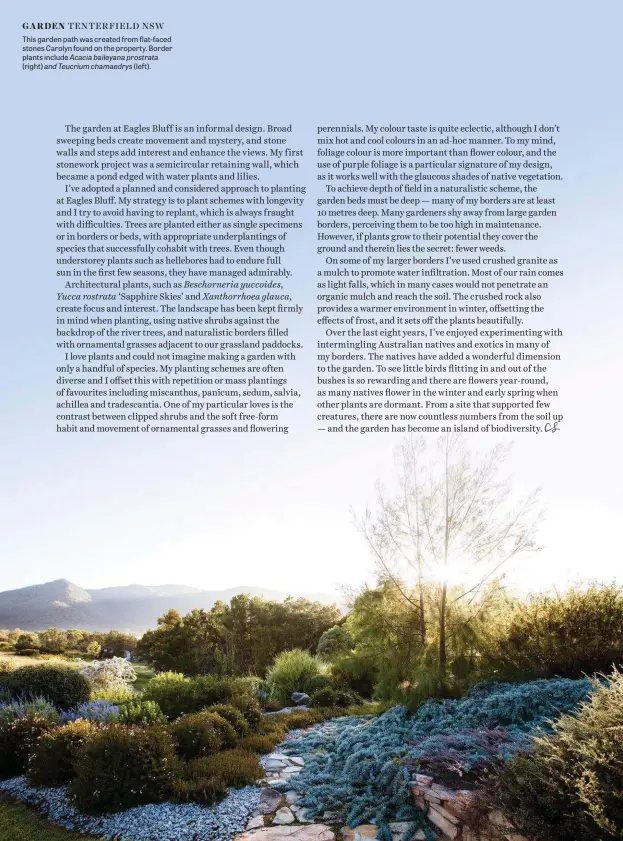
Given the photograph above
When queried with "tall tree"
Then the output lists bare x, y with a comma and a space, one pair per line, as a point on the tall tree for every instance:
447, 530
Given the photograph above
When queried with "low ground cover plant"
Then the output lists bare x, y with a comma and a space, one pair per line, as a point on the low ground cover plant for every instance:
361, 767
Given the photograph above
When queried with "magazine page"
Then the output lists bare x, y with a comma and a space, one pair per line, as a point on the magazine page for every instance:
311, 376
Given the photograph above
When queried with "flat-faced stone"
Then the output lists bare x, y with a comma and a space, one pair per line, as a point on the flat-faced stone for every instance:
269, 800
363, 832
255, 823
283, 816
312, 832
301, 815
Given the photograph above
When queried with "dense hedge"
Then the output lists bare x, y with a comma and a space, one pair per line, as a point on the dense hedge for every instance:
334, 698
122, 766
53, 759
177, 695
62, 685
200, 734
577, 633
17, 742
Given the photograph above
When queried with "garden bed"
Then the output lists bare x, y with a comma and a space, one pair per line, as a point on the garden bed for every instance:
151, 822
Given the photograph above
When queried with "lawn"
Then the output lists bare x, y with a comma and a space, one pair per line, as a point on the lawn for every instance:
20, 823
16, 660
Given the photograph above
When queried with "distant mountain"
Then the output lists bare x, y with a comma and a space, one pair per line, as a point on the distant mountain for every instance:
135, 608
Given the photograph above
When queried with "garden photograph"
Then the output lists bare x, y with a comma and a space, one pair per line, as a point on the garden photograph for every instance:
436, 701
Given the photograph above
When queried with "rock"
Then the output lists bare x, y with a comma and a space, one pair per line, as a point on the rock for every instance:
314, 832
423, 780
297, 760
437, 792
400, 828
274, 765
292, 796
497, 818
441, 810
360, 833
280, 784
269, 800
301, 815
283, 816
255, 823
443, 824
331, 817
300, 699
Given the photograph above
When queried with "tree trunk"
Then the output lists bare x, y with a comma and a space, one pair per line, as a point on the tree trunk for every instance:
442, 631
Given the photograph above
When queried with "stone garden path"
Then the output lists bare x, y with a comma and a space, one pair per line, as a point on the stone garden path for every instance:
278, 818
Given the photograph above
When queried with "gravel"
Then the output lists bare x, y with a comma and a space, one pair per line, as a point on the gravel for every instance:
155, 822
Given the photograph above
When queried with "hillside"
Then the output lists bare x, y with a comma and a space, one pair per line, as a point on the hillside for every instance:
134, 608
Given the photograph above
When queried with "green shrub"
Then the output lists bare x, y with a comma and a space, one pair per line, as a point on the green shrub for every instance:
316, 684
62, 685
199, 734
190, 784
172, 692
236, 768
27, 642
257, 743
233, 716
273, 727
249, 706
53, 759
114, 694
272, 706
293, 671
177, 695
570, 786
355, 671
571, 635
18, 739
337, 640
140, 712
28, 652
208, 690
301, 718
334, 698
123, 766
6, 666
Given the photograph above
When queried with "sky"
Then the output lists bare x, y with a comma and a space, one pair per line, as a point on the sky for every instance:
276, 511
